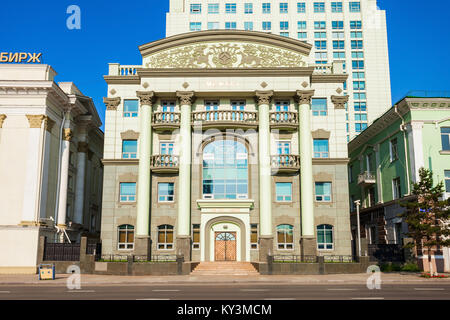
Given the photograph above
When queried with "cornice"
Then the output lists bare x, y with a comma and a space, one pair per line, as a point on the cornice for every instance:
122, 79
330, 161
118, 162
329, 78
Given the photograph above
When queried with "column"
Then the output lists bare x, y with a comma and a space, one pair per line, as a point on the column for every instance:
378, 169
415, 143
308, 240
64, 177
48, 126
186, 99
263, 99
30, 211
83, 148
142, 241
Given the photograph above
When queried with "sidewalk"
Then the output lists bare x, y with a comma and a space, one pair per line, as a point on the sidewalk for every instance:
89, 279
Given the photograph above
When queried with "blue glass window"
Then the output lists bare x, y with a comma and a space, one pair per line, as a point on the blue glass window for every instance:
129, 149
267, 25
248, 8
128, 192
285, 237
319, 7
196, 8
320, 25
213, 8
321, 148
195, 26
325, 237
320, 45
230, 25
323, 191
337, 25
360, 106
357, 44
130, 108
284, 25
338, 44
230, 7
355, 25
248, 25
302, 35
165, 192
266, 8
445, 137
284, 191
283, 7
447, 180
336, 7
355, 6
225, 170
319, 107
301, 25
301, 7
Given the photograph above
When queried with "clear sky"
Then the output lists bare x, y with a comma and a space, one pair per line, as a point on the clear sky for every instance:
111, 31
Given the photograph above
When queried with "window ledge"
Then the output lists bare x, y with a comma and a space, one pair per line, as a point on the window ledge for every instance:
206, 203
444, 152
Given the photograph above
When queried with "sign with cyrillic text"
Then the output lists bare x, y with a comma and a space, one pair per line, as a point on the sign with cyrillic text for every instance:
20, 57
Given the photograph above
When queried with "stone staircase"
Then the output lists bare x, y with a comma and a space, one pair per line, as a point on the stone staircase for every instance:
231, 268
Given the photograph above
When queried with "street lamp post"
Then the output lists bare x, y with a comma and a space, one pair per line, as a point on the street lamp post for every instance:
358, 203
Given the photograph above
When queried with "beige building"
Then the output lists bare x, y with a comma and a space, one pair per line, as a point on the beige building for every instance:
50, 169
225, 145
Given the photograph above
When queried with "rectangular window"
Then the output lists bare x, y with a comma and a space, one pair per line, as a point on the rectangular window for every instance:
396, 190
356, 34
253, 236
321, 55
213, 25
323, 191
321, 148
248, 8
266, 8
359, 96
213, 8
166, 148
445, 137
284, 25
195, 26
361, 117
355, 6
320, 35
128, 192
355, 25
447, 181
357, 54
283, 7
195, 236
301, 25
319, 7
336, 7
325, 237
359, 75
267, 25
337, 25
360, 127
320, 45
339, 55
360, 106
301, 7
130, 108
350, 174
338, 35
230, 25
357, 44
393, 149
230, 8
319, 107
357, 64
126, 237
248, 25
238, 105
283, 147
338, 44
284, 34
165, 192
320, 25
196, 8
283, 191
302, 35
359, 85
129, 149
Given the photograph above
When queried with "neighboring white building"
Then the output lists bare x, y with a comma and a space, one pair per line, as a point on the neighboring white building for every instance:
50, 168
350, 31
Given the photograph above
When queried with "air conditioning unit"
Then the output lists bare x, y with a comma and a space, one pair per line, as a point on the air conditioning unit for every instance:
242, 196
208, 196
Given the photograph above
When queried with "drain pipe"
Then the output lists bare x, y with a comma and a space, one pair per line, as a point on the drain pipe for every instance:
402, 128
58, 229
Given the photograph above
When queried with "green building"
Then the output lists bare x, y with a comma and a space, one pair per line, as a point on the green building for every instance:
385, 159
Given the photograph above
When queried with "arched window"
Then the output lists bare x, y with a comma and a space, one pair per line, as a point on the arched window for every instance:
225, 170
285, 237
325, 237
165, 237
126, 237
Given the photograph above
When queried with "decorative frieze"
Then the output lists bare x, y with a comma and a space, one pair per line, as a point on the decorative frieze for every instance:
111, 103
129, 135
321, 134
146, 97
186, 97
2, 119
263, 97
67, 134
35, 121
304, 96
339, 101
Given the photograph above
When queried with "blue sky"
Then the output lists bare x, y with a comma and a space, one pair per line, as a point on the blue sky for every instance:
111, 31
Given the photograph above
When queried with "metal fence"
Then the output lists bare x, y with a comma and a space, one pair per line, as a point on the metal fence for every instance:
138, 258
338, 259
61, 251
94, 249
294, 259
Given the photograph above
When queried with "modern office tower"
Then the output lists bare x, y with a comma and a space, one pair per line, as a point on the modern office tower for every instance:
353, 32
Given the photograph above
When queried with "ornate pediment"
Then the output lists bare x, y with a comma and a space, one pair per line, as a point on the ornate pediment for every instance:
223, 54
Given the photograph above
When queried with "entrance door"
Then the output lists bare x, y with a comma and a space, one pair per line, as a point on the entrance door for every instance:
225, 246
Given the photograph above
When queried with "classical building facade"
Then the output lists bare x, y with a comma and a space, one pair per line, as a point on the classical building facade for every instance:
50, 169
352, 32
385, 159
225, 145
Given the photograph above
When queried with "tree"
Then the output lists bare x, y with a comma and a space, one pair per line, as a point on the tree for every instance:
427, 215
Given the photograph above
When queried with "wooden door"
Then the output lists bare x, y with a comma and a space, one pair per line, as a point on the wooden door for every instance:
225, 246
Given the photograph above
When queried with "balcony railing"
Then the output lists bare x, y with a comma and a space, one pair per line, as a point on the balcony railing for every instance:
284, 120
285, 162
366, 178
164, 162
225, 118
166, 120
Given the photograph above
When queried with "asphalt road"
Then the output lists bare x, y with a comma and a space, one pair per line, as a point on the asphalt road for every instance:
211, 291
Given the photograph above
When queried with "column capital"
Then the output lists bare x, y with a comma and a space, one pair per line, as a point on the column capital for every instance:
83, 147
263, 97
48, 124
304, 96
67, 134
186, 97
146, 97
414, 125
111, 103
2, 118
339, 101
35, 121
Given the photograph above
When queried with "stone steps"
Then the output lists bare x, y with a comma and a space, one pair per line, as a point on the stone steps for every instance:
225, 268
